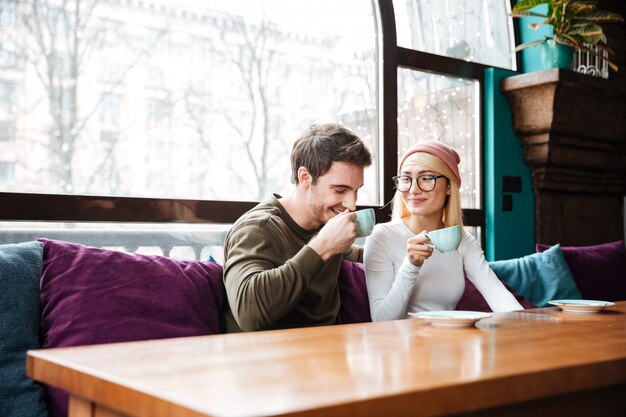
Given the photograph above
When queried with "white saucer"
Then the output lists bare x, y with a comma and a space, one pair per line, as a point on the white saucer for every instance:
452, 318
581, 306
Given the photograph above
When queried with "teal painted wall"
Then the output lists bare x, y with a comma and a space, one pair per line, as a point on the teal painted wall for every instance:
509, 234
531, 60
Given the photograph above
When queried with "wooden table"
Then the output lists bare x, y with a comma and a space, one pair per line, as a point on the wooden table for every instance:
536, 362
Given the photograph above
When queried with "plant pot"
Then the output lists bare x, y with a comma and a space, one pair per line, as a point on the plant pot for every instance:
556, 55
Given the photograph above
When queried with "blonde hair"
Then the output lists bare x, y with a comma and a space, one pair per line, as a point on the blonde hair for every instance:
452, 212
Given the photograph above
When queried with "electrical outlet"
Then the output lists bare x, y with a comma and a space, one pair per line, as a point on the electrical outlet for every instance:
507, 202
511, 184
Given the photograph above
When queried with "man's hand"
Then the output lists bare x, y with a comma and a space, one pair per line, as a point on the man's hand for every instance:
337, 235
417, 248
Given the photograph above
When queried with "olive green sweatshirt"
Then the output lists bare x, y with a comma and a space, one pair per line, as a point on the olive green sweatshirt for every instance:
273, 278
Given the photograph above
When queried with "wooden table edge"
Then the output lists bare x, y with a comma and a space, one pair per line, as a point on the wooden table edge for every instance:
481, 394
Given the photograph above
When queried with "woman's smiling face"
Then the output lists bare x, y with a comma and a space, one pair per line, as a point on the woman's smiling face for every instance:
422, 203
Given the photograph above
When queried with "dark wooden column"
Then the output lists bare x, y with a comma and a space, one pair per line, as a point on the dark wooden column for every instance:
573, 133
616, 38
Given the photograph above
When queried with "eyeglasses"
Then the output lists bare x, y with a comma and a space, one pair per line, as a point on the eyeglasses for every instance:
424, 182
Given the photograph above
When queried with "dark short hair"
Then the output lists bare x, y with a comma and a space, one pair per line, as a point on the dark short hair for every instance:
325, 144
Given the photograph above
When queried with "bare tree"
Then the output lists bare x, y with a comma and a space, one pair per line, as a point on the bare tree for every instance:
61, 48
64, 37
253, 59
256, 53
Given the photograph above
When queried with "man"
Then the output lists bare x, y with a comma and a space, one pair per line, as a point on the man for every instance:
282, 258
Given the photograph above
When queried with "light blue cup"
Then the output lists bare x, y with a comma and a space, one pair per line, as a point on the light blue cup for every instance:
365, 220
446, 239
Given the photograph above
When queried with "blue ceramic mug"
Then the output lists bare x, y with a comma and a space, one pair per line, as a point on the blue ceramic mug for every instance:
365, 220
446, 239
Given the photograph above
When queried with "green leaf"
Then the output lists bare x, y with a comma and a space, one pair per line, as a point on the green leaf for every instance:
585, 29
591, 38
528, 4
573, 21
577, 8
568, 40
585, 3
601, 16
526, 14
593, 3
531, 44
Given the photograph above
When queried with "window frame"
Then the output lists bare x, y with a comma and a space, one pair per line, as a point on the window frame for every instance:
16, 206
394, 57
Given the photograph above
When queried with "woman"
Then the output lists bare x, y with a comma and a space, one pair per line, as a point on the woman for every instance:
404, 275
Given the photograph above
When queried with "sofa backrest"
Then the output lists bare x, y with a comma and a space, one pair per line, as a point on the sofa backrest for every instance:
92, 295
599, 270
355, 305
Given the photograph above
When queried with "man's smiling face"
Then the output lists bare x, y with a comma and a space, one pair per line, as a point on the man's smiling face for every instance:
334, 192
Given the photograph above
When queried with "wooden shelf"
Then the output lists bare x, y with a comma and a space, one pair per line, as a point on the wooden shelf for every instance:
573, 132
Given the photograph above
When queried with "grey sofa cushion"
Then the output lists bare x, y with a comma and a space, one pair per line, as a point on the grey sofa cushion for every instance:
20, 271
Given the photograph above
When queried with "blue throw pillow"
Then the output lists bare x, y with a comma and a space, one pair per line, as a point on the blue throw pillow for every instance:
20, 271
539, 277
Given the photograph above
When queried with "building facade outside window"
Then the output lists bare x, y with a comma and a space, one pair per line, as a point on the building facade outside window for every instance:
149, 99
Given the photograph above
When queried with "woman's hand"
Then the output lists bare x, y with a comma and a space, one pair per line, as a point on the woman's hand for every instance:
417, 249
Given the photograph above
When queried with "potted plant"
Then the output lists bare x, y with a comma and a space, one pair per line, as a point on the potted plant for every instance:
574, 26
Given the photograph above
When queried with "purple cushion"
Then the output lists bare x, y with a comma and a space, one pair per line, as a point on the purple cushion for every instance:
473, 300
92, 295
355, 304
599, 270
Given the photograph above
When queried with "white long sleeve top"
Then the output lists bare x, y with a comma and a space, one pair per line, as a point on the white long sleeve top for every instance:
396, 287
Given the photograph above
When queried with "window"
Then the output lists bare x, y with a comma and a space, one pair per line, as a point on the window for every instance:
7, 132
110, 71
7, 169
8, 13
443, 49
261, 76
155, 110
58, 21
7, 96
198, 50
8, 57
469, 30
443, 108
108, 139
110, 109
60, 65
185, 86
110, 32
62, 102
155, 78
